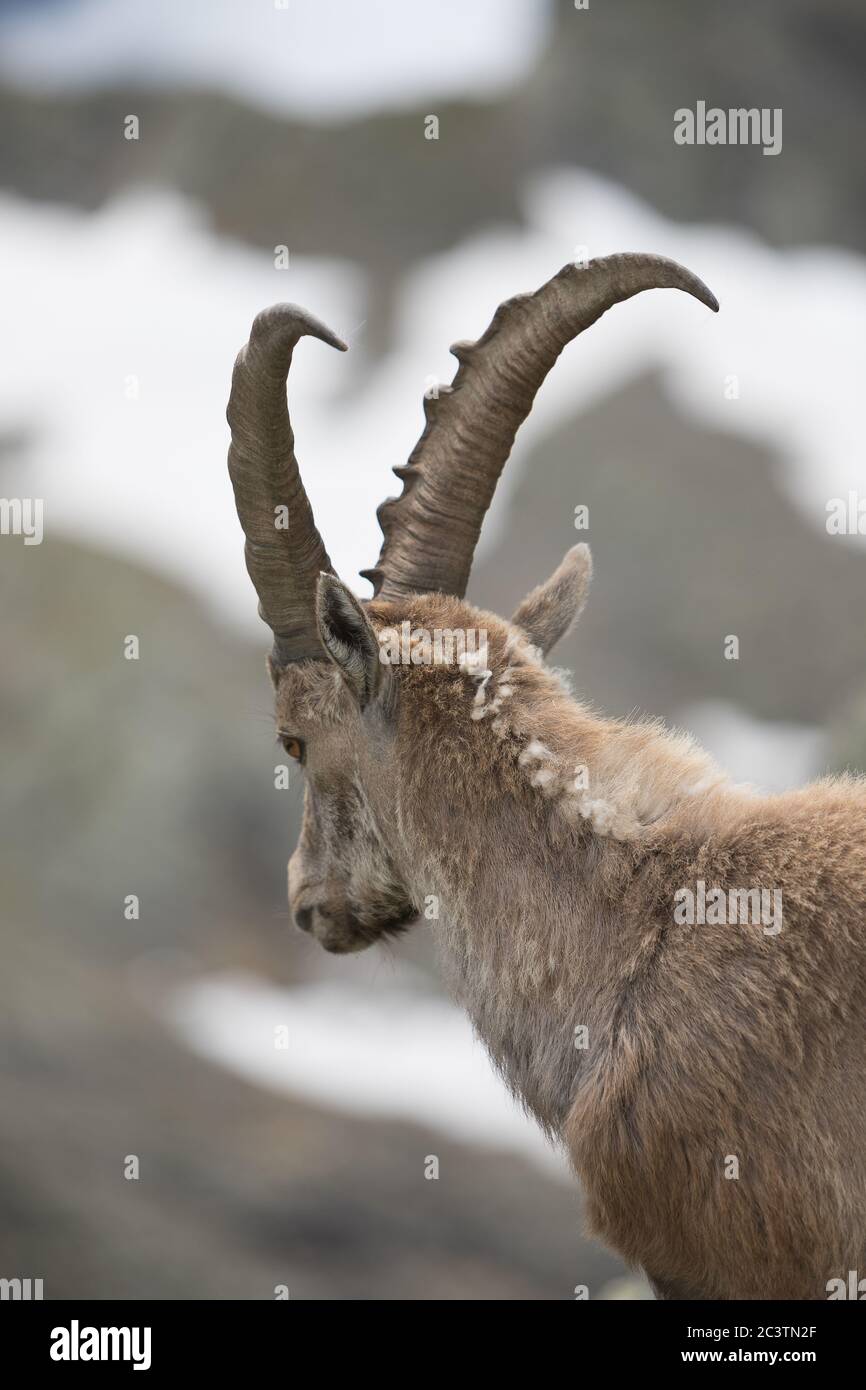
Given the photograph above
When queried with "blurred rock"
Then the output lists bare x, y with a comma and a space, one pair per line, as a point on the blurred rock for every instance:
603, 97
692, 540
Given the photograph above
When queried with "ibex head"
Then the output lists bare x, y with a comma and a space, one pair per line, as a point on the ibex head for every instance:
348, 708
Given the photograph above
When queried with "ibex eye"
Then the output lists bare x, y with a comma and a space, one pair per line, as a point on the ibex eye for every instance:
293, 747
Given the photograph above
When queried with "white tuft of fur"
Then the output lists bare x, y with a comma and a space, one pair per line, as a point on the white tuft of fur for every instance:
542, 777
534, 752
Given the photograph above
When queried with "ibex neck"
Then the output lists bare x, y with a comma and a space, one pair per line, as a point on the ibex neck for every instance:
522, 841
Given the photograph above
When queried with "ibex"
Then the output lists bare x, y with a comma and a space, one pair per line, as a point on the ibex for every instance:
703, 1069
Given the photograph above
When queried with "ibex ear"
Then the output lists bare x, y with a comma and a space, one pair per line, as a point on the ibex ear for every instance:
348, 637
550, 610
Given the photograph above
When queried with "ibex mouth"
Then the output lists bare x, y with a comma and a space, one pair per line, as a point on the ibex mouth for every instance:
343, 945
348, 934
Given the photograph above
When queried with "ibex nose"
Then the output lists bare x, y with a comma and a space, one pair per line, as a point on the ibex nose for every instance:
304, 918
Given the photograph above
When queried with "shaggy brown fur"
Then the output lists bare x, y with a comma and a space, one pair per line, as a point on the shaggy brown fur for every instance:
552, 842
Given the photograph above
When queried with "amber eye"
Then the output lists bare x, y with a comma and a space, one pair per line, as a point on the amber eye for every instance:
293, 747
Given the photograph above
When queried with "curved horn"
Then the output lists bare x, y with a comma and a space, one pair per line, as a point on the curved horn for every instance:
431, 529
284, 551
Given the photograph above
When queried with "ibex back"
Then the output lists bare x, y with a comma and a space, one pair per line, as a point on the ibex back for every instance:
669, 970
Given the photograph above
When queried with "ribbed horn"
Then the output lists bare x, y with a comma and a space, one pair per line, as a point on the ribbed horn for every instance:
431, 529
